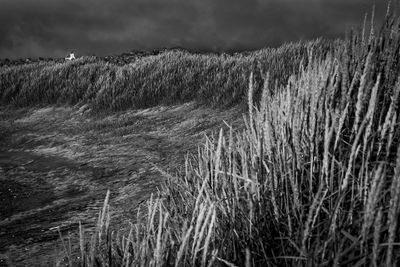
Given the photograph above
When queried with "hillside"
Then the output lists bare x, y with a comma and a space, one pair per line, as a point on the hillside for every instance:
309, 177
170, 77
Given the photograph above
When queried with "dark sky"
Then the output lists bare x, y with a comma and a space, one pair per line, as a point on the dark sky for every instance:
52, 28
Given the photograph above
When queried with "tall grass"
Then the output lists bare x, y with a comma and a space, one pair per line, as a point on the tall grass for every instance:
313, 180
170, 77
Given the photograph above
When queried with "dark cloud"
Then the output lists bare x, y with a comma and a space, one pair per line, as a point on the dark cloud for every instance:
50, 28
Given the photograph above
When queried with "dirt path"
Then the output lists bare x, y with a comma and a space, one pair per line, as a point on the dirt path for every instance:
56, 165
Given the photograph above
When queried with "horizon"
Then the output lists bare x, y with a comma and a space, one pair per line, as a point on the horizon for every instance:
53, 28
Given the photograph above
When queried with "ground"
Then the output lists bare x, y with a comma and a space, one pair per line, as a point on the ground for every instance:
56, 164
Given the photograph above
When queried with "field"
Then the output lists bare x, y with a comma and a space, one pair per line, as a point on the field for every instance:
310, 176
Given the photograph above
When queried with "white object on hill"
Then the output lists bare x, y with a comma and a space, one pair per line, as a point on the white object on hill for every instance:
71, 56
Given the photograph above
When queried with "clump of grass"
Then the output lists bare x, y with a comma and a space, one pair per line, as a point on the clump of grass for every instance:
313, 180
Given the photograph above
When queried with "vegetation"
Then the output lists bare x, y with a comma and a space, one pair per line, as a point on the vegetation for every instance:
170, 77
313, 180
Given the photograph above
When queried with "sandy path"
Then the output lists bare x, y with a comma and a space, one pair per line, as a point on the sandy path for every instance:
56, 165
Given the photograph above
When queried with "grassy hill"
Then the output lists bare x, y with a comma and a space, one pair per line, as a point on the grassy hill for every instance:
312, 180
169, 77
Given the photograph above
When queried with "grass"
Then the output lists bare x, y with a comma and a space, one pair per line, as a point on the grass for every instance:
313, 180
167, 78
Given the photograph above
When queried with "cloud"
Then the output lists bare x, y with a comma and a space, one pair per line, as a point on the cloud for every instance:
50, 28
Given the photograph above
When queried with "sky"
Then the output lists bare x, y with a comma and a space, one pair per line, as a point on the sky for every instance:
53, 28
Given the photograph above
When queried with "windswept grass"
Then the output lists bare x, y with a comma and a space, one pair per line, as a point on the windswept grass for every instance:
167, 78
313, 180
